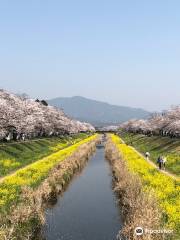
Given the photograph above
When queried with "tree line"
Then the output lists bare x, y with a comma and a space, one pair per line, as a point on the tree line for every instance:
166, 123
21, 117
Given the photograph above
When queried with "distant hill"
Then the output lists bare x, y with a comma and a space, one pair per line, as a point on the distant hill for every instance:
96, 112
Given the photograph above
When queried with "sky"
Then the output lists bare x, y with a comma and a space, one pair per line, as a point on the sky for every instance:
125, 52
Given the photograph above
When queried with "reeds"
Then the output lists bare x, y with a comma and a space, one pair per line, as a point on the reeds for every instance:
138, 208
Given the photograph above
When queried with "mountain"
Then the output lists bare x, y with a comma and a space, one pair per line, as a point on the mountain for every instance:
96, 112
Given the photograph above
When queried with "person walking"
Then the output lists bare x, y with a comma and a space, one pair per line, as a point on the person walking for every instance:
147, 154
160, 162
164, 160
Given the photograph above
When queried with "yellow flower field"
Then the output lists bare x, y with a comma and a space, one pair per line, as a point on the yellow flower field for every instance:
20, 154
164, 187
33, 174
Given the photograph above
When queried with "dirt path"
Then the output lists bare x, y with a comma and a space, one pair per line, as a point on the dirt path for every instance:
154, 165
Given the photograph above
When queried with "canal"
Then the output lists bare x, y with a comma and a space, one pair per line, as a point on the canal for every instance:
88, 209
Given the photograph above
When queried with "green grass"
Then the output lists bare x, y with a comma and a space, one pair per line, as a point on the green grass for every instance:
157, 145
16, 155
33, 174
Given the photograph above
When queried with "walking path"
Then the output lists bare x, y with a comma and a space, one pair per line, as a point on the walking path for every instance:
154, 165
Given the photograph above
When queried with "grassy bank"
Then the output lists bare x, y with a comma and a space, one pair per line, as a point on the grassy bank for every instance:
161, 187
157, 146
15, 155
24, 194
32, 175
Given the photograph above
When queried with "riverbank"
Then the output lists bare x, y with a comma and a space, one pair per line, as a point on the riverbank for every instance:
87, 209
147, 198
18, 154
157, 146
25, 194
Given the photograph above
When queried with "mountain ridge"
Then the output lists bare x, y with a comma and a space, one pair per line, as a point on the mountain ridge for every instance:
96, 112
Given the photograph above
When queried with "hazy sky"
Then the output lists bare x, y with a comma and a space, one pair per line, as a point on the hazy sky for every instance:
125, 52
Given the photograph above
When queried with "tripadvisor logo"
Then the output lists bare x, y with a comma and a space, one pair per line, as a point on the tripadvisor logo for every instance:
139, 231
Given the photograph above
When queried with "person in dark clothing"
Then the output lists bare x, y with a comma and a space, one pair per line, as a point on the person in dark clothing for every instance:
160, 162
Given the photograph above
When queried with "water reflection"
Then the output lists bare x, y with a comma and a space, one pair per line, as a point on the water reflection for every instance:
87, 210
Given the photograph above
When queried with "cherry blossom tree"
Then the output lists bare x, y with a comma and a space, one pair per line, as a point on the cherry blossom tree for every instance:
21, 116
165, 124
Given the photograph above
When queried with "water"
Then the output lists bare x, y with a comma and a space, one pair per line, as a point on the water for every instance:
87, 210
